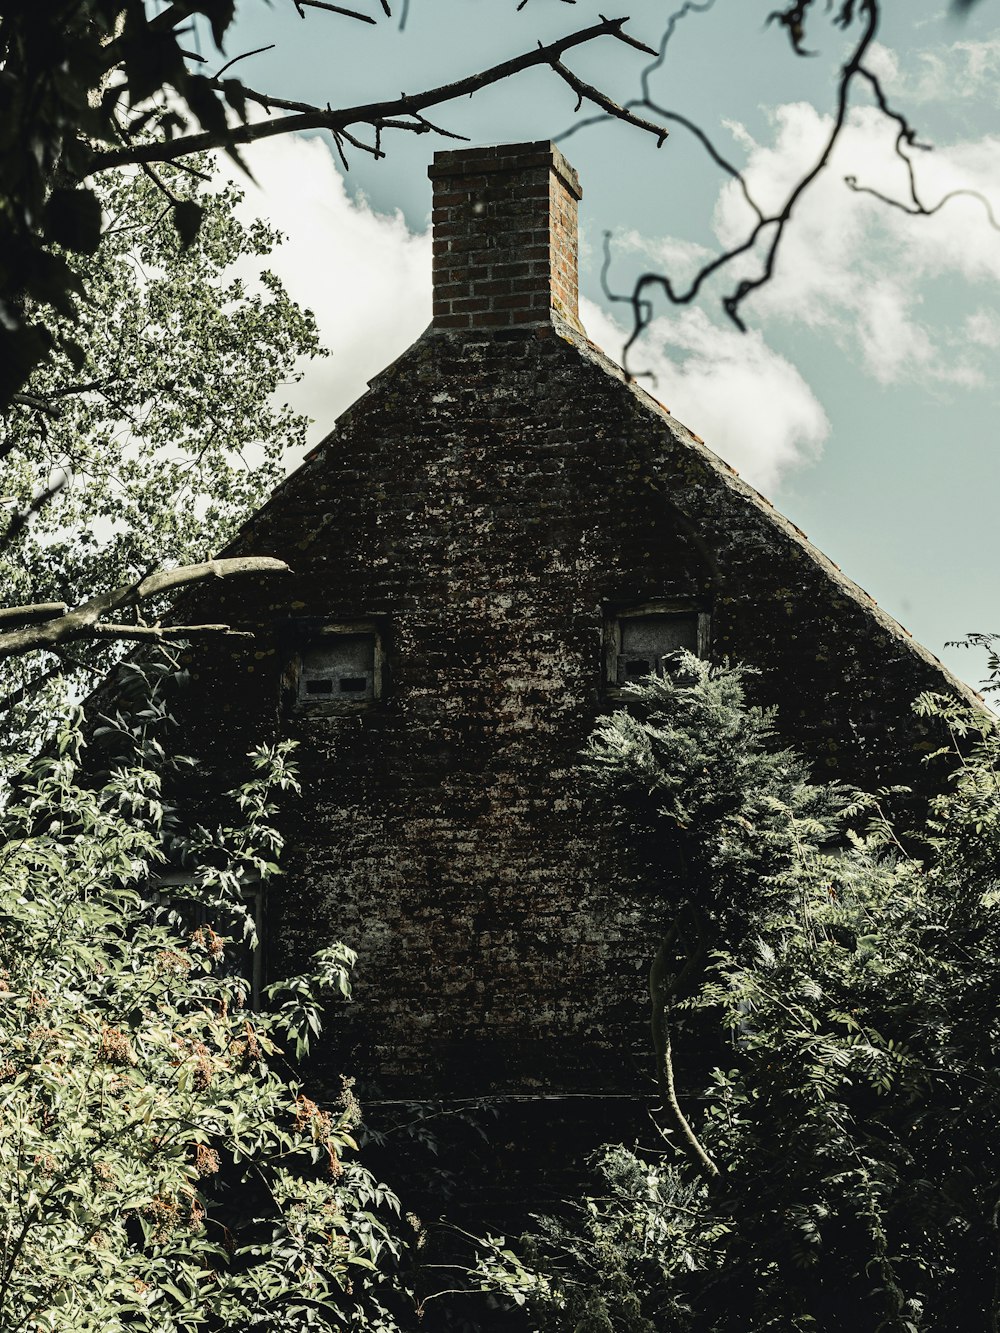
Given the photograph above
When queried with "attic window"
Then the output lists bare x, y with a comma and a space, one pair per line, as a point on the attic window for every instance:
640, 641
341, 667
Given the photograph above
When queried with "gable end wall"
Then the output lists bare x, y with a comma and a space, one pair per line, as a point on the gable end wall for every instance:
487, 503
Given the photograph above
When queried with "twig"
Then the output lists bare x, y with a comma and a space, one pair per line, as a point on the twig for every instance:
586, 90
336, 9
245, 56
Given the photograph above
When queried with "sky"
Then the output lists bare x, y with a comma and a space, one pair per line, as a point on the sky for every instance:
862, 399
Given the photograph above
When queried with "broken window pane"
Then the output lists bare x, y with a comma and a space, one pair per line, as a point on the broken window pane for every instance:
339, 666
647, 640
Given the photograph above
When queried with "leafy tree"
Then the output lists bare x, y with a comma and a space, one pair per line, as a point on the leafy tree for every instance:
160, 1165
165, 435
826, 1014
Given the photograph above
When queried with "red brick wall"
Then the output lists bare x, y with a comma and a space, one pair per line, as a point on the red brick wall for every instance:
505, 237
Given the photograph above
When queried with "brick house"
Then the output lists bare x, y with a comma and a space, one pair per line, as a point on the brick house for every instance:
485, 547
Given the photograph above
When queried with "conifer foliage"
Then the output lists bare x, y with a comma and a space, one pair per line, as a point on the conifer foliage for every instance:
826, 1015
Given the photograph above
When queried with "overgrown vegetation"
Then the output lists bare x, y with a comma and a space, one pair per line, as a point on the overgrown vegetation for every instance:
826, 1012
161, 1165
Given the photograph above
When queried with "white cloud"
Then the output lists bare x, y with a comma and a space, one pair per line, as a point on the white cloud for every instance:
364, 275
667, 252
862, 270
748, 403
884, 64
983, 327
958, 71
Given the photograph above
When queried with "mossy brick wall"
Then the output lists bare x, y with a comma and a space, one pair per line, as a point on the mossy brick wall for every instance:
488, 500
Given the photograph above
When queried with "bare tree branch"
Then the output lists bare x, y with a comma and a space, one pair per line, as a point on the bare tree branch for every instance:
374, 114
334, 9
917, 209
587, 91
163, 633
768, 227
85, 621
693, 1146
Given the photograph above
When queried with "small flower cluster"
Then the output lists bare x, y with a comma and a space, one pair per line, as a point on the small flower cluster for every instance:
115, 1047
213, 944
320, 1124
206, 1160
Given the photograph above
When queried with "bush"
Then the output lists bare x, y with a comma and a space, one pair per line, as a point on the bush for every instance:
828, 1015
161, 1167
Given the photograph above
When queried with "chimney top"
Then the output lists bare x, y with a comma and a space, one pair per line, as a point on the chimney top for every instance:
505, 237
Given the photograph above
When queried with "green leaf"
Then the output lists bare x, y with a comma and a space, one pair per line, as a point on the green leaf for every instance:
187, 216
73, 219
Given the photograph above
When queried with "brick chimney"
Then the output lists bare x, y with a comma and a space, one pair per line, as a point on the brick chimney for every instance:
505, 237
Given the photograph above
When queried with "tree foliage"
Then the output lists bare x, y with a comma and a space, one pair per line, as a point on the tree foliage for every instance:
167, 433
832, 1008
161, 1167
59, 100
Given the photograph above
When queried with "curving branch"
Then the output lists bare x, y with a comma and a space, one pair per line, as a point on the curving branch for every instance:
47, 625
768, 228
402, 113
906, 139
692, 1145
665, 989
770, 225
